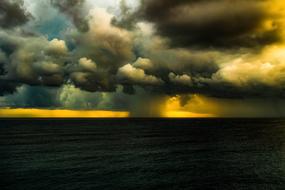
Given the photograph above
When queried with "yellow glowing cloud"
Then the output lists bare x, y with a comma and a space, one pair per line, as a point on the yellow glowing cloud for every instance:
42, 113
175, 110
202, 106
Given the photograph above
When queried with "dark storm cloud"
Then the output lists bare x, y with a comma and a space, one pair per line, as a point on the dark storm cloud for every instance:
224, 89
107, 46
73, 9
7, 87
208, 23
31, 60
106, 55
32, 97
12, 13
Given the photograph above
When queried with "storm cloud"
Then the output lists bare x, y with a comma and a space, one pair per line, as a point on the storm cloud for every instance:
75, 10
218, 23
110, 59
12, 13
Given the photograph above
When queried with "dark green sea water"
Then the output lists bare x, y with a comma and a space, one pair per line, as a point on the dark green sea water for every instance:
142, 154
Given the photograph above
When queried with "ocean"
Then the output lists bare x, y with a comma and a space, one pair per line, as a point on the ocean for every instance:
71, 154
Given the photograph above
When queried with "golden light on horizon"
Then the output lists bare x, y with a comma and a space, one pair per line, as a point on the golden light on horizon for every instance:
61, 113
186, 114
45, 113
174, 108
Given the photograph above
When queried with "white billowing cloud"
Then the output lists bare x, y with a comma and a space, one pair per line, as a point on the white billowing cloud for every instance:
136, 75
180, 79
143, 63
34, 59
87, 64
267, 69
57, 46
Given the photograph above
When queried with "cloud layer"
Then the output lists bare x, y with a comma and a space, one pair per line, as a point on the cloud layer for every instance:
219, 23
114, 58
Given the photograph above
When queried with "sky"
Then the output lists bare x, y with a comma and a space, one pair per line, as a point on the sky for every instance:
142, 58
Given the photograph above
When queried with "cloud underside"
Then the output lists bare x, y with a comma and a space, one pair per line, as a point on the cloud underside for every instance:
215, 48
12, 14
217, 23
